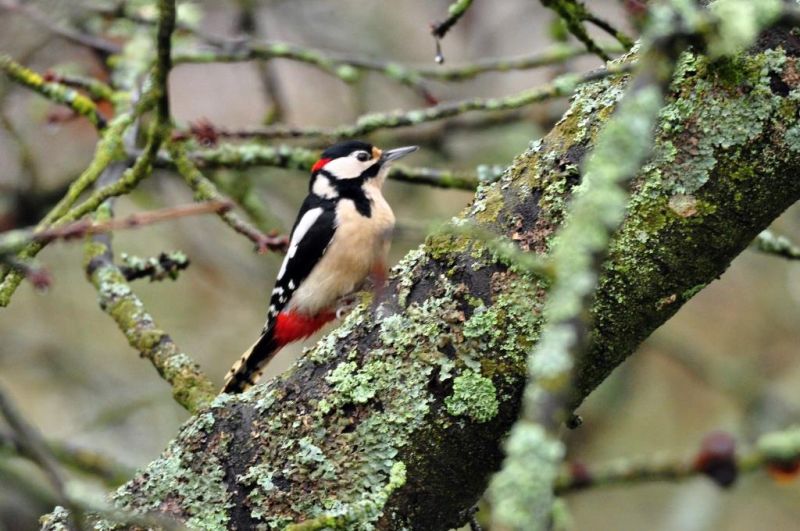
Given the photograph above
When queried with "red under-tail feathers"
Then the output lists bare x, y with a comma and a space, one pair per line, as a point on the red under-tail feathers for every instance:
288, 327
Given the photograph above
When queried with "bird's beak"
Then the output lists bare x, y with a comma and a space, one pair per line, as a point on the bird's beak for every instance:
396, 153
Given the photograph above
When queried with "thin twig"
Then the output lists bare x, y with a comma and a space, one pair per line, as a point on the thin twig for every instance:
191, 388
82, 460
166, 25
31, 444
562, 86
96, 89
205, 190
347, 67
777, 452
455, 12
606, 26
104, 46
251, 155
53, 91
165, 265
573, 14
556, 54
769, 243
14, 241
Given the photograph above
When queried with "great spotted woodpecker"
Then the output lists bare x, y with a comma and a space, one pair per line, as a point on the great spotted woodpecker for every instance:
340, 237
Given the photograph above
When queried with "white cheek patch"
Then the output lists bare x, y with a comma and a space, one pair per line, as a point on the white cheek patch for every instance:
305, 223
347, 167
322, 187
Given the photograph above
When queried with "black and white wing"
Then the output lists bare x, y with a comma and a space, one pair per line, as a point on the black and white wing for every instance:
311, 235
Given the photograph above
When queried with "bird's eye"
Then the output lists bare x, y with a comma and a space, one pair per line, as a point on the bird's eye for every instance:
363, 156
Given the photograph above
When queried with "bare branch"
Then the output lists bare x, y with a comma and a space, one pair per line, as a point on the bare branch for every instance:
296, 158
82, 460
32, 445
71, 35
573, 14
455, 12
166, 25
777, 452
14, 241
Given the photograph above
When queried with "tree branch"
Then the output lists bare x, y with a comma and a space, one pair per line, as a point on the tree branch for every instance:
769, 243
205, 190
560, 87
190, 387
455, 12
295, 158
31, 444
108, 150
82, 460
777, 452
14, 241
166, 265
53, 91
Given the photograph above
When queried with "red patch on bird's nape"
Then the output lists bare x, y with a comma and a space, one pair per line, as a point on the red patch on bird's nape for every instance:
291, 326
319, 164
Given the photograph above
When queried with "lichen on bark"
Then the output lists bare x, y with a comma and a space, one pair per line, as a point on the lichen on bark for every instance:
326, 442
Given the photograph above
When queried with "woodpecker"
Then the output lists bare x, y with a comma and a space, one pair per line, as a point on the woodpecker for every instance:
341, 236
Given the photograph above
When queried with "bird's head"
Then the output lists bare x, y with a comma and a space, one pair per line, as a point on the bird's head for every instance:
352, 162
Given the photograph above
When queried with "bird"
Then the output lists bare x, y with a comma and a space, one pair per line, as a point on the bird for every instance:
340, 238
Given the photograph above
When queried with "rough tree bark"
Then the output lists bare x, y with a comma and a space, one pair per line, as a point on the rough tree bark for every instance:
395, 419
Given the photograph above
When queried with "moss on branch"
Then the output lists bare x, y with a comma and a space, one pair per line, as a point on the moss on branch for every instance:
190, 387
55, 92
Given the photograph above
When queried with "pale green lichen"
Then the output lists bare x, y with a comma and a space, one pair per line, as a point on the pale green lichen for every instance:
792, 138
526, 487
474, 396
510, 324
204, 498
413, 259
353, 385
740, 22
259, 479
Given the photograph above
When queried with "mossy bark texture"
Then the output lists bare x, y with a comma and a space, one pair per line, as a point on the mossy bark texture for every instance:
395, 419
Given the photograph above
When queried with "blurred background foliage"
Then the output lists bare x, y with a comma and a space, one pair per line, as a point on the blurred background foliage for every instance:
727, 361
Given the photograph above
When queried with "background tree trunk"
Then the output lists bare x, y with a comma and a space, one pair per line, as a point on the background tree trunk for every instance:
395, 420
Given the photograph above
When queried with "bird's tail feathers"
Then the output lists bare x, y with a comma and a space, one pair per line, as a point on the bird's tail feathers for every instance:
287, 327
246, 371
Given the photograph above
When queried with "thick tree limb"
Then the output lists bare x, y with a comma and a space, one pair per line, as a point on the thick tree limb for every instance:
394, 420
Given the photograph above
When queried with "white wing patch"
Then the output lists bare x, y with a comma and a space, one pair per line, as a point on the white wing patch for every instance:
305, 223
